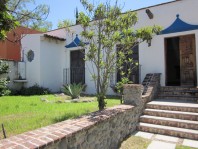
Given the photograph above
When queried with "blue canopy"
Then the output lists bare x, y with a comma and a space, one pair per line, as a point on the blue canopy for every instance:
179, 26
75, 43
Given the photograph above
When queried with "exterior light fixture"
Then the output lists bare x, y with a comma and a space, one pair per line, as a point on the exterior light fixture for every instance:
149, 42
149, 13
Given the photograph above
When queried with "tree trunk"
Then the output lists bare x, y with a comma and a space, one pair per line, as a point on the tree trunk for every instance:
101, 102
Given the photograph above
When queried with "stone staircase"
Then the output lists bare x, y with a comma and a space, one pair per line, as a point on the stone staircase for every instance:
179, 93
174, 113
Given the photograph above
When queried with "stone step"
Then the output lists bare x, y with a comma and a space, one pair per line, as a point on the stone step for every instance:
169, 122
180, 91
167, 130
173, 106
175, 95
172, 114
179, 94
178, 88
195, 99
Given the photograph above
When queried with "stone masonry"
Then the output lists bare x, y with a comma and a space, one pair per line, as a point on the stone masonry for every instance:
100, 130
133, 94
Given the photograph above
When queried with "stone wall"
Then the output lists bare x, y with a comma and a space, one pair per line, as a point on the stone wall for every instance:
100, 130
133, 94
138, 95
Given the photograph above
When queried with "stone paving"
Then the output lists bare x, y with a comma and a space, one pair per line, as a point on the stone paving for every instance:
166, 142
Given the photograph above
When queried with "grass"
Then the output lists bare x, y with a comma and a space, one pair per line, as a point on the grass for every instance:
135, 142
23, 113
184, 147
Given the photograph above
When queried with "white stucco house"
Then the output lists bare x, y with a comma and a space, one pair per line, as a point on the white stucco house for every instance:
53, 58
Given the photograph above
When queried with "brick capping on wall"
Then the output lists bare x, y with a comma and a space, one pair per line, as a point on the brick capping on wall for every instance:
64, 131
103, 129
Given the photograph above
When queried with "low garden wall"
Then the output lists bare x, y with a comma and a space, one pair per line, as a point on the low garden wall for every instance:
100, 130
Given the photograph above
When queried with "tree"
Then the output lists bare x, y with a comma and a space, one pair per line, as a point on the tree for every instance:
17, 12
105, 26
65, 23
26, 16
7, 21
42, 26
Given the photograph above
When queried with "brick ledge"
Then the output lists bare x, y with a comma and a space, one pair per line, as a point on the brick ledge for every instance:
42, 137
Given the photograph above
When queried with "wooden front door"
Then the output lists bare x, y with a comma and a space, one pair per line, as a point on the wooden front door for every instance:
187, 60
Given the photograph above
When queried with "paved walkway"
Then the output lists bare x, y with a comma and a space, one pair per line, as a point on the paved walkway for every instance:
166, 142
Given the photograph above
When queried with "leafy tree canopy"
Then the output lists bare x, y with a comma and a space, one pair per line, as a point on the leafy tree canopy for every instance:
18, 12
65, 23
7, 21
42, 26
105, 26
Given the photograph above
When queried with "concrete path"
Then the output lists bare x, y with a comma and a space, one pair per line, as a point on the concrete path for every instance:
166, 142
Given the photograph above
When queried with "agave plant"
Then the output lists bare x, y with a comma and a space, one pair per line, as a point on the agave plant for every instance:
73, 90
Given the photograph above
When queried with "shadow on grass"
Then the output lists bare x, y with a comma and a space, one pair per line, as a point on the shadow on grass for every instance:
113, 97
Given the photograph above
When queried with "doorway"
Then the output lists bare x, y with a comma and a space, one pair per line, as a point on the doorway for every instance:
77, 67
180, 61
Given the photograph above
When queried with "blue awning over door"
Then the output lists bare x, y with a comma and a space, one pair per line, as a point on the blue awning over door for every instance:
179, 26
75, 43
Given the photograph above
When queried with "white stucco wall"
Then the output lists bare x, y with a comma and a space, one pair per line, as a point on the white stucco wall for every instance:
46, 69
51, 56
152, 58
91, 88
32, 42
51, 64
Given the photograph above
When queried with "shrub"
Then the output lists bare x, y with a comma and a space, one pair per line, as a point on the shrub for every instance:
4, 81
119, 85
73, 90
34, 90
3, 67
3, 87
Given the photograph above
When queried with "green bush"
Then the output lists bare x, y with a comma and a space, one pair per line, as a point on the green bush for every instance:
4, 67
4, 81
33, 90
3, 87
119, 85
74, 90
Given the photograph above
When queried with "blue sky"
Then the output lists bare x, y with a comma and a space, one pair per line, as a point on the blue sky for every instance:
65, 9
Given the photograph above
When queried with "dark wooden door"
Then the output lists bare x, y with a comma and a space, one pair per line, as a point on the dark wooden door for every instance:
77, 67
187, 60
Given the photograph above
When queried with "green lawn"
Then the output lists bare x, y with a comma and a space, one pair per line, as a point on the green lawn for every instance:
184, 147
23, 113
135, 142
